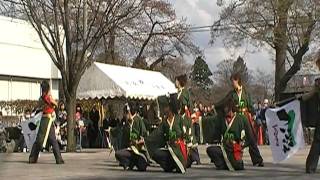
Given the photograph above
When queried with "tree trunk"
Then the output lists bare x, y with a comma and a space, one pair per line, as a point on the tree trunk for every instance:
280, 71
71, 108
281, 42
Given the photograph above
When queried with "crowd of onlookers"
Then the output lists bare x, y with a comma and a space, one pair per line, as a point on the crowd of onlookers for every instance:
87, 131
91, 132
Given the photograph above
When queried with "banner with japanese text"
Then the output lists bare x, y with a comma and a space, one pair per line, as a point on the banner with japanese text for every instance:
285, 130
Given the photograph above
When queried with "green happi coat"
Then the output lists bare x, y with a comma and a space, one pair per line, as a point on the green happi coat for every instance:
188, 129
184, 100
239, 132
242, 102
132, 133
165, 137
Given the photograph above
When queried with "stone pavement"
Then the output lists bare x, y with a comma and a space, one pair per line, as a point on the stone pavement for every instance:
97, 164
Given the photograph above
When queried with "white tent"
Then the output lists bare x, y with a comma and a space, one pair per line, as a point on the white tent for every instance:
104, 80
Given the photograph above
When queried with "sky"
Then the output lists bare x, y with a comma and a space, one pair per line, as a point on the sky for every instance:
205, 12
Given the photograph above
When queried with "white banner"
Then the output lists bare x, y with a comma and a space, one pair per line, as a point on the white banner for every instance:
285, 130
30, 129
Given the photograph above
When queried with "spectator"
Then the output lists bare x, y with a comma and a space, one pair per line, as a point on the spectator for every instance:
80, 128
205, 111
258, 109
201, 108
61, 125
199, 112
265, 106
26, 115
195, 105
78, 109
261, 119
62, 113
94, 116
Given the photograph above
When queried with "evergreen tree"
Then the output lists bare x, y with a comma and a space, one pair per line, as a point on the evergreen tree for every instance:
201, 73
239, 66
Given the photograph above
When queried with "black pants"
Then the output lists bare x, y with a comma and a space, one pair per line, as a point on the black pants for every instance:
37, 146
254, 152
313, 157
165, 160
216, 156
196, 127
129, 159
193, 156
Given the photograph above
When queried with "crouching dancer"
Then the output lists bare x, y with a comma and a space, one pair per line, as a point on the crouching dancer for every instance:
234, 131
133, 152
46, 132
166, 144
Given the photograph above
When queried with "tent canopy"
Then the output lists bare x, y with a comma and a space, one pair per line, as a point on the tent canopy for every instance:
109, 81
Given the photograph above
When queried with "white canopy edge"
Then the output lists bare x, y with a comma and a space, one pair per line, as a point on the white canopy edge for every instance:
110, 81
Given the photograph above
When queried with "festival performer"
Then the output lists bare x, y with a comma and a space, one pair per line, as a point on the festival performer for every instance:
313, 157
133, 152
244, 106
189, 125
46, 132
166, 143
235, 134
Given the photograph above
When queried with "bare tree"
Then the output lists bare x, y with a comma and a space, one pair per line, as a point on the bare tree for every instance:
263, 84
287, 26
173, 67
223, 73
228, 67
70, 31
155, 34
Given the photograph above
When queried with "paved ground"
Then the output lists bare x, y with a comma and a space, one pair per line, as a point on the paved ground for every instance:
97, 164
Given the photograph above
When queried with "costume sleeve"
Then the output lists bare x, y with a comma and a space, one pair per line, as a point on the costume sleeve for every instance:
220, 104
190, 105
310, 94
156, 140
143, 129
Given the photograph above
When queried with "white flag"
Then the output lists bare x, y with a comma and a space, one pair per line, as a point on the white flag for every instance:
285, 130
31, 134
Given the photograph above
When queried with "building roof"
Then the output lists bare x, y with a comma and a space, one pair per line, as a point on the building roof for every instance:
22, 53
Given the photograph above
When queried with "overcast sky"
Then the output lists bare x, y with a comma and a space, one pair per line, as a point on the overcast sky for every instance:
203, 13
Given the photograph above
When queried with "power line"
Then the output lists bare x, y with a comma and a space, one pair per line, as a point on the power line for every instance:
210, 28
219, 27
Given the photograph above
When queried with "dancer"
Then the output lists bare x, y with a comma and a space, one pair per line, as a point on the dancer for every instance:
244, 106
313, 157
166, 144
46, 132
235, 133
133, 152
190, 126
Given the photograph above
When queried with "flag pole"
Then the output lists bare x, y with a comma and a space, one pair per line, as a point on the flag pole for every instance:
285, 101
